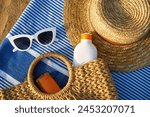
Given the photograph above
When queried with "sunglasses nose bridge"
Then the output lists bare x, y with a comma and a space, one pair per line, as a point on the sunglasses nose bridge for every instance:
32, 37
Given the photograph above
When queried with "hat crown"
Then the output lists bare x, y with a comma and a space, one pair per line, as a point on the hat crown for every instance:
120, 21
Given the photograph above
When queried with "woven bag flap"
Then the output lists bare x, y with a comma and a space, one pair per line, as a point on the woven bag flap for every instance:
93, 81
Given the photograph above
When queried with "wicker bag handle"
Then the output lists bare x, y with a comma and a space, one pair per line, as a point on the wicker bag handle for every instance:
34, 63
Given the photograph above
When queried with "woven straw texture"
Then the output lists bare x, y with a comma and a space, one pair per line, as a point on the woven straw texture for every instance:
121, 30
93, 81
89, 81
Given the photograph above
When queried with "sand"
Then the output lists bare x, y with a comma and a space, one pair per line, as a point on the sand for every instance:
10, 10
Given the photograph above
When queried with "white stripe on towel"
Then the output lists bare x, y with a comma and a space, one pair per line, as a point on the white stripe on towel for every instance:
8, 78
48, 62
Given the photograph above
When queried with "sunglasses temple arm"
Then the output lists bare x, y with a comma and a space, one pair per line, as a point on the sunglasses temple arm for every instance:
14, 50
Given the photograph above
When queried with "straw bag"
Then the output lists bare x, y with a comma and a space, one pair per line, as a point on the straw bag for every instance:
89, 81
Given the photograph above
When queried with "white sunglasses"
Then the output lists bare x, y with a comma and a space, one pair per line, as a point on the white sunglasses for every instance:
23, 42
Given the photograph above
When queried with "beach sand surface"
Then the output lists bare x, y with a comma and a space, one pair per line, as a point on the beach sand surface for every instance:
10, 10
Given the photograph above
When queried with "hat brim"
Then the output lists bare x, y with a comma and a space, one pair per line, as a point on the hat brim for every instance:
119, 57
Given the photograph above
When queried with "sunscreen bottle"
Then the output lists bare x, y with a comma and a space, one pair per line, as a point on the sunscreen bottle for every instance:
85, 51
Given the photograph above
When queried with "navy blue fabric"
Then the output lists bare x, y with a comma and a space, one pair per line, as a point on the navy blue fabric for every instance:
41, 14
133, 85
16, 63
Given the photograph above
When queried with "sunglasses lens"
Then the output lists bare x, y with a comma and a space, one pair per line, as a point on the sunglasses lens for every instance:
45, 37
22, 43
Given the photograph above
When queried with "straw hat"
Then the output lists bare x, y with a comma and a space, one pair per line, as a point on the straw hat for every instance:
121, 29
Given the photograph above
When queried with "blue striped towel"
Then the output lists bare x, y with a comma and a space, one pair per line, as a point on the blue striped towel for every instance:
41, 14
